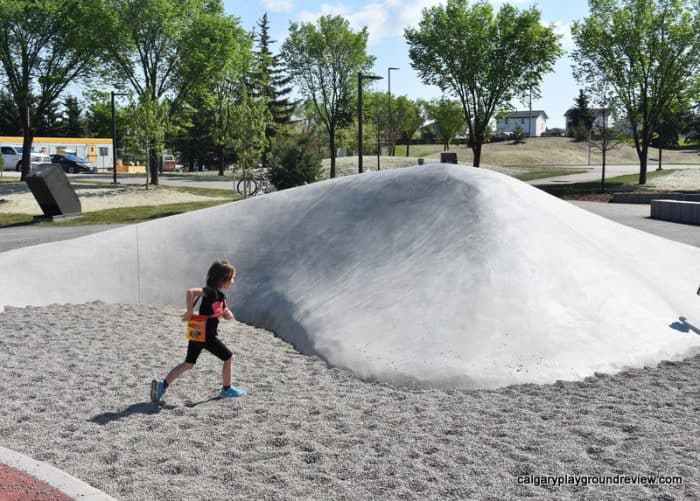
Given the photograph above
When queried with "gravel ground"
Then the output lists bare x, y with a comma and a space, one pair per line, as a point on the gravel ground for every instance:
17, 198
74, 380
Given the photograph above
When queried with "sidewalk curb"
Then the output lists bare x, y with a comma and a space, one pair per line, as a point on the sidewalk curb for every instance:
69, 485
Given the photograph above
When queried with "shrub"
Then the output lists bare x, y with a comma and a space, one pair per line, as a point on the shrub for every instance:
518, 134
580, 132
295, 161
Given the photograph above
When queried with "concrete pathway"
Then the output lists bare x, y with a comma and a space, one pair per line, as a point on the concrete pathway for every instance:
24, 478
595, 172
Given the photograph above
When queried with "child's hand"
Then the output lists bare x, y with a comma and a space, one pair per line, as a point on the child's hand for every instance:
186, 316
227, 314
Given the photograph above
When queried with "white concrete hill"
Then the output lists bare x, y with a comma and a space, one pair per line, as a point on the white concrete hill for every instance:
438, 274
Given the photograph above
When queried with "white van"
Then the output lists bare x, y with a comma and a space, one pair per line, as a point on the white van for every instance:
12, 158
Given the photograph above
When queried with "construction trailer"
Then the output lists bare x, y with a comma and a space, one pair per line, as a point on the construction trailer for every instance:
96, 150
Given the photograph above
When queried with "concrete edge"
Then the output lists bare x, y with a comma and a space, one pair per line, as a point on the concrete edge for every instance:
56, 478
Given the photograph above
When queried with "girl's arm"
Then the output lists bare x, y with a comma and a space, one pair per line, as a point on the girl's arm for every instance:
189, 302
227, 314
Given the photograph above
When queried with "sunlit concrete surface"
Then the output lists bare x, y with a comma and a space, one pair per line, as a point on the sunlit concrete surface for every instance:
439, 274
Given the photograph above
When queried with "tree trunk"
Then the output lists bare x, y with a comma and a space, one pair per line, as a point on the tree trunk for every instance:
643, 164
661, 151
602, 176
476, 149
331, 141
28, 138
27, 155
408, 144
221, 164
153, 165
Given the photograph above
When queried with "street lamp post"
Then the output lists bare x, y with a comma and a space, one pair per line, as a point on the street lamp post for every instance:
114, 136
389, 120
360, 79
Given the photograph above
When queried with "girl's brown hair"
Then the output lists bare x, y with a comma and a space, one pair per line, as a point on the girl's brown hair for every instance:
219, 273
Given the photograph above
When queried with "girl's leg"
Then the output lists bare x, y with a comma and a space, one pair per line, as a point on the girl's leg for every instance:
177, 372
226, 372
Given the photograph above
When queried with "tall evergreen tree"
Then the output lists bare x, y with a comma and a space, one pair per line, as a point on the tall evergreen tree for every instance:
273, 81
48, 122
580, 114
10, 124
73, 121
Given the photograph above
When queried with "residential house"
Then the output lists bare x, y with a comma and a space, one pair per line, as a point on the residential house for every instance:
601, 117
534, 122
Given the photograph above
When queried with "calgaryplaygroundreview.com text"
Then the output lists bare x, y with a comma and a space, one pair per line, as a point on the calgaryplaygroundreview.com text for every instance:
584, 480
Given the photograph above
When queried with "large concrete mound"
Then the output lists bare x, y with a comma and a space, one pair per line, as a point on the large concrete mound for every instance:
438, 274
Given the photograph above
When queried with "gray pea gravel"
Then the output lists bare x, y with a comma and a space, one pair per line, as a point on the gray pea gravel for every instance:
74, 390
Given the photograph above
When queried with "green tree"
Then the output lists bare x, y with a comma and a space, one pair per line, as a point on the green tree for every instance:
647, 51
44, 46
448, 117
239, 124
580, 114
72, 118
49, 123
273, 78
485, 60
147, 118
169, 48
407, 119
98, 115
295, 161
9, 116
324, 60
272, 82
691, 125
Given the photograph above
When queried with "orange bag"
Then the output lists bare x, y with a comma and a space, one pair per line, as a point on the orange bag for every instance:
197, 328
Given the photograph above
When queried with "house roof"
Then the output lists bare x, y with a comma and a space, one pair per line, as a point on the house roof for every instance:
598, 111
526, 114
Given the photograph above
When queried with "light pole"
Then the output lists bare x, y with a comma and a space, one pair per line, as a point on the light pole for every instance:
360, 79
389, 123
114, 136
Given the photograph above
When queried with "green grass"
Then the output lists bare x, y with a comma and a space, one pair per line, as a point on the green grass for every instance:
121, 215
542, 173
611, 183
418, 150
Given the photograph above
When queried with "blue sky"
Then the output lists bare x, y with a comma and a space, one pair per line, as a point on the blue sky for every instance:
386, 20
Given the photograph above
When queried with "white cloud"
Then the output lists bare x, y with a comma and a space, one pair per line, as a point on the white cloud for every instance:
384, 20
326, 10
564, 30
387, 18
278, 5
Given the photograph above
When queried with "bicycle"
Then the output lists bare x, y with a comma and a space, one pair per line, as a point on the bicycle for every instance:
251, 185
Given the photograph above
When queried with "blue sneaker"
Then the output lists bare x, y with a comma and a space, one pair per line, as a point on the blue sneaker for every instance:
157, 390
232, 392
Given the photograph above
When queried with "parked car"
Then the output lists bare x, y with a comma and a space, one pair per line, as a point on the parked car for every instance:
71, 163
502, 135
555, 132
12, 158
170, 163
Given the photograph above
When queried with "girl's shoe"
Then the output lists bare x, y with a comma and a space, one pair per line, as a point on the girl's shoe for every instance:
232, 392
157, 390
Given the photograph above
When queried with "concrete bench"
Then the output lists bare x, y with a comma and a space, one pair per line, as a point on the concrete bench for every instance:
645, 198
677, 211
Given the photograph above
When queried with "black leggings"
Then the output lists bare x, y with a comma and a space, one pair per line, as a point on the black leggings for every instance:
212, 345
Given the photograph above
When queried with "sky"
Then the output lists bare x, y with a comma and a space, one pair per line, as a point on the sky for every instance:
386, 21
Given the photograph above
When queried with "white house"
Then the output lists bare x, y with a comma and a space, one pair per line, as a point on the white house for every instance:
602, 117
534, 123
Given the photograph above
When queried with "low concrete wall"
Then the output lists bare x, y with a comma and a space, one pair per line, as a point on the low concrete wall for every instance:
677, 211
645, 198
